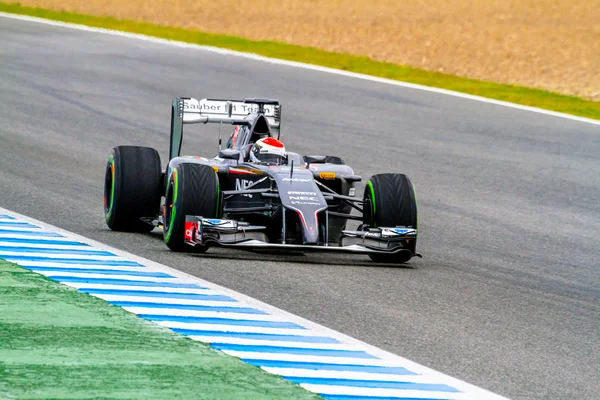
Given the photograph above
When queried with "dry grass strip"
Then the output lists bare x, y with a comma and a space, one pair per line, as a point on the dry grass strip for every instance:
548, 44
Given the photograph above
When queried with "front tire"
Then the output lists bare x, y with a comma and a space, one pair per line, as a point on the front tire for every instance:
132, 188
192, 189
389, 201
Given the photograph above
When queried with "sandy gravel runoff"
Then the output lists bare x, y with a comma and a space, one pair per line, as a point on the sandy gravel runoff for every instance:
548, 44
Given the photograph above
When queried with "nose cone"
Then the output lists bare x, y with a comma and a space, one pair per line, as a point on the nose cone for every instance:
310, 233
299, 192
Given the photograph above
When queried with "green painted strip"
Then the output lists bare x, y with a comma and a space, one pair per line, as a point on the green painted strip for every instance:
56, 342
347, 62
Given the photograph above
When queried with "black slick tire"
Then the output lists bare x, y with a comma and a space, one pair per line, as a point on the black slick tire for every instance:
389, 201
192, 189
132, 188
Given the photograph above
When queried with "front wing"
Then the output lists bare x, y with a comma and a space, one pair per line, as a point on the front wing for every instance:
231, 233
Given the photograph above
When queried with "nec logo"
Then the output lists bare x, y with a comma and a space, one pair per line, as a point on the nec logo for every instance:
304, 198
242, 184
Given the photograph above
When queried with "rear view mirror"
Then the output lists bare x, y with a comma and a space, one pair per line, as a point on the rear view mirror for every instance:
230, 154
314, 159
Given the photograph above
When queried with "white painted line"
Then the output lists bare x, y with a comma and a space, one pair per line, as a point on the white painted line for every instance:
373, 392
202, 314
358, 376
256, 342
157, 288
250, 355
311, 328
294, 64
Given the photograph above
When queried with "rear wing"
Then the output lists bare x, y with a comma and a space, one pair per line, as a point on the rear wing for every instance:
235, 112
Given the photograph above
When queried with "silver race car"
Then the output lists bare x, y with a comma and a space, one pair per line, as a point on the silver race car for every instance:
255, 194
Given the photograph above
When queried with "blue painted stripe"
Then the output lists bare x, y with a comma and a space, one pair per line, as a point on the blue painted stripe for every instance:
258, 336
42, 241
123, 263
294, 350
20, 224
4, 216
330, 367
221, 346
102, 271
350, 397
125, 282
373, 384
167, 295
28, 233
82, 252
238, 310
223, 321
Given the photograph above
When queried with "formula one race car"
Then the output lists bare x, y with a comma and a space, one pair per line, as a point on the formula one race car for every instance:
254, 194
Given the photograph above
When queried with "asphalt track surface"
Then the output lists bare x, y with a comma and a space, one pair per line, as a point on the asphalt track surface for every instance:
506, 296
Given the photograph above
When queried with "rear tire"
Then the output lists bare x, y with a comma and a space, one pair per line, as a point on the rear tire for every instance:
389, 201
132, 188
192, 189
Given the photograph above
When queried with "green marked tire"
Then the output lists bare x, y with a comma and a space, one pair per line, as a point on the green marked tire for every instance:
390, 201
132, 188
192, 189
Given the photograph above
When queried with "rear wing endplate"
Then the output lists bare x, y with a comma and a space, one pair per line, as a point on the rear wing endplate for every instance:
192, 111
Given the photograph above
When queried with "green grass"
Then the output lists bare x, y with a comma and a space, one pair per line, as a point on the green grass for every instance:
59, 343
511, 93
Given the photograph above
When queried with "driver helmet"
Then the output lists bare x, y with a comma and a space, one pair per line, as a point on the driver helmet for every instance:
269, 151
